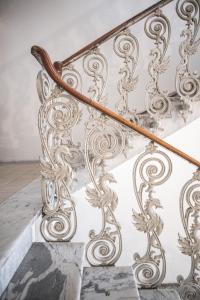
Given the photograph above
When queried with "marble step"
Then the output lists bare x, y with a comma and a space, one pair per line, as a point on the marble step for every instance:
112, 283
159, 294
49, 271
17, 221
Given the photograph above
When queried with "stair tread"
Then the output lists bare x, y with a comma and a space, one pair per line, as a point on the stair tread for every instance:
112, 283
17, 216
159, 294
49, 271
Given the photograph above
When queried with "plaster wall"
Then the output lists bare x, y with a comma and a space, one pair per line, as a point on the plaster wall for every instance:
62, 27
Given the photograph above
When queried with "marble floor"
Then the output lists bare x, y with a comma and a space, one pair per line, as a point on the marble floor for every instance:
15, 176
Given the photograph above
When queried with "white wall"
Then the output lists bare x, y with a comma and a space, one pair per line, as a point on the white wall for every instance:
61, 27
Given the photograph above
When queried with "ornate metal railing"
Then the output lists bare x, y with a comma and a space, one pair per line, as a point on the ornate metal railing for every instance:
75, 136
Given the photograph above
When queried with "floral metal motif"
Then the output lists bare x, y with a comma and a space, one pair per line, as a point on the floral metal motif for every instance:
58, 113
152, 168
187, 82
95, 65
157, 28
104, 141
126, 47
190, 244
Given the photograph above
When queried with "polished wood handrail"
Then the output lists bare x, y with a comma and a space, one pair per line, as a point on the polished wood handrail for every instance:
44, 59
114, 31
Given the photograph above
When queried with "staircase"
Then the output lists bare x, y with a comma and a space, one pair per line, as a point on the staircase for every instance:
55, 271
120, 203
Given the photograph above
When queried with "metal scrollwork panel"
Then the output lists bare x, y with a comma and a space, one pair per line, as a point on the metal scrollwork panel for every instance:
95, 65
188, 82
58, 114
152, 168
126, 47
157, 28
104, 141
190, 243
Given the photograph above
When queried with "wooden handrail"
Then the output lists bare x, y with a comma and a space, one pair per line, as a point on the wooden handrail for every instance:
114, 31
44, 59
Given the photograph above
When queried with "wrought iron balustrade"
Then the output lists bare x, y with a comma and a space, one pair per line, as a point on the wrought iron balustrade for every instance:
90, 136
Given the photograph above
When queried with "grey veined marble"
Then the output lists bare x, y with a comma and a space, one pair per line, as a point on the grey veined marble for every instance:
50, 271
17, 216
159, 294
113, 283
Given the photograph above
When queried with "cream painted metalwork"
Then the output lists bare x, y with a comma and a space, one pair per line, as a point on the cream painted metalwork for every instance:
104, 141
95, 65
58, 113
157, 27
72, 77
188, 82
152, 168
190, 243
126, 46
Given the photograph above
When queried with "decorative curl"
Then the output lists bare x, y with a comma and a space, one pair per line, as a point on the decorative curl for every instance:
58, 114
44, 86
56, 227
126, 45
152, 168
189, 11
147, 273
187, 82
94, 64
72, 77
101, 252
157, 28
159, 105
189, 86
190, 244
193, 195
63, 113
106, 141
155, 168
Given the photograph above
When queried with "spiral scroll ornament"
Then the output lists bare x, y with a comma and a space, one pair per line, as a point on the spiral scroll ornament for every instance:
152, 168
44, 86
72, 77
157, 28
58, 114
126, 47
189, 11
95, 65
190, 243
188, 82
104, 141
